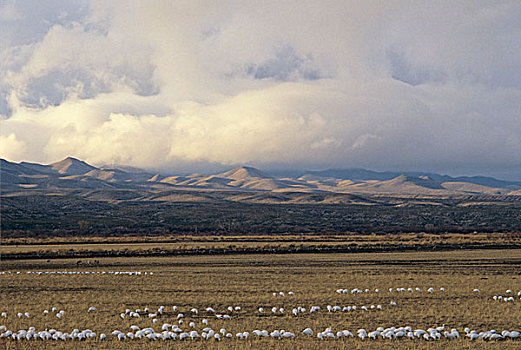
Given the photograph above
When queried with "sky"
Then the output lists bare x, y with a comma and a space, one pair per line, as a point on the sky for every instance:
185, 86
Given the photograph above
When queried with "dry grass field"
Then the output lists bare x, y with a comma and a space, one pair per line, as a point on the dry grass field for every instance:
97, 247
249, 281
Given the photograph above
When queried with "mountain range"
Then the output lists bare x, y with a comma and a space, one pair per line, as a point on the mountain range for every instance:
72, 173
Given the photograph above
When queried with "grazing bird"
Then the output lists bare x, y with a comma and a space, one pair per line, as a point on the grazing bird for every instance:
362, 333
307, 331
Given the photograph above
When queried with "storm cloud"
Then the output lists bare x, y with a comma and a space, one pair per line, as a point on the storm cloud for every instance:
401, 85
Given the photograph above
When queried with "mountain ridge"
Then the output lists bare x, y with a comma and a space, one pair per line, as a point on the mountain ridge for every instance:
74, 173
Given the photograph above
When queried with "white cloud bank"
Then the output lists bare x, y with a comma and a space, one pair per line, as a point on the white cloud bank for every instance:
173, 85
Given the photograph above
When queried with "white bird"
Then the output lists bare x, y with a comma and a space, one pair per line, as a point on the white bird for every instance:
92, 308
347, 334
307, 331
419, 333
362, 333
275, 334
374, 334
194, 334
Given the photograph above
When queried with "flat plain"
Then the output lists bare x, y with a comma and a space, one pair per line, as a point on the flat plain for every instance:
249, 281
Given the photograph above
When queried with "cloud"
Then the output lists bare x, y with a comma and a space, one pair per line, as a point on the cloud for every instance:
11, 147
9, 13
165, 85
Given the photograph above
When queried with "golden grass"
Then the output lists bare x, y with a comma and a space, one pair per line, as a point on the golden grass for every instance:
248, 281
46, 247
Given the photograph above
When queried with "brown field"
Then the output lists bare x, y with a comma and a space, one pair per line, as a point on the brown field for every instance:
97, 247
249, 281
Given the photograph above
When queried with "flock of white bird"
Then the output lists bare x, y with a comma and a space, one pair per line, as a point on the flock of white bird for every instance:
194, 324
391, 290
44, 273
175, 332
